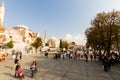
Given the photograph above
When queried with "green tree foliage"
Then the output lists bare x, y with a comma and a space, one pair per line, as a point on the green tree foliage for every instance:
71, 45
60, 46
37, 43
65, 44
10, 44
104, 31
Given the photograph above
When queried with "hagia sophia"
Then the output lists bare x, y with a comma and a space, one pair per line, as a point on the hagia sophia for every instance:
21, 35
18, 34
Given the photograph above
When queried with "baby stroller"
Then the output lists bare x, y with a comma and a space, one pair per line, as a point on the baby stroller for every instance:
20, 74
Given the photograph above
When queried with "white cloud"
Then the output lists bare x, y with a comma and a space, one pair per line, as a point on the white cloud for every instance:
78, 39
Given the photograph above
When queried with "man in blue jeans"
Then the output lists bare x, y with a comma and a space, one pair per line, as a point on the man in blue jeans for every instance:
32, 68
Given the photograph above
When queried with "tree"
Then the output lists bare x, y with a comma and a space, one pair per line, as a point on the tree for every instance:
37, 43
60, 46
71, 45
65, 44
10, 44
104, 31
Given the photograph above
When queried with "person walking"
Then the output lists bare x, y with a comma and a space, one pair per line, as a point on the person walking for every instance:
16, 60
32, 68
86, 57
109, 63
20, 53
105, 63
36, 65
46, 54
91, 57
17, 67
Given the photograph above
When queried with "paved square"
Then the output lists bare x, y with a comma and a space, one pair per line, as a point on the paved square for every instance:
60, 69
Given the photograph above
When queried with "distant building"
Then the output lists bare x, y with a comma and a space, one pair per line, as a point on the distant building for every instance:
20, 34
79, 47
27, 35
53, 42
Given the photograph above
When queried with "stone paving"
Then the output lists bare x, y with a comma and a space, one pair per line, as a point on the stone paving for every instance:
50, 69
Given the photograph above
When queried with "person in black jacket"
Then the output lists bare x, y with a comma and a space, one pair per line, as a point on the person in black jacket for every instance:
46, 54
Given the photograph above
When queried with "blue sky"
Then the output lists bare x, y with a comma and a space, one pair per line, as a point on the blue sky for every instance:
66, 19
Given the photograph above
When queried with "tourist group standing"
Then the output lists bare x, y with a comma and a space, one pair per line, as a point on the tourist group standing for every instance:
17, 56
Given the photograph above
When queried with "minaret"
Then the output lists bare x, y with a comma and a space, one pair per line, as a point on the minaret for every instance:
45, 38
2, 11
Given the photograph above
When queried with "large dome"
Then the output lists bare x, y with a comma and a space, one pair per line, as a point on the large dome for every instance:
54, 38
21, 26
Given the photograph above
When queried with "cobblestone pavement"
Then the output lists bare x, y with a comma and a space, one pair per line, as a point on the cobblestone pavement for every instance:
50, 69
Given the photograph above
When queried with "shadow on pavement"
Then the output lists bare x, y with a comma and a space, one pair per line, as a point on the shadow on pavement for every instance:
9, 67
27, 72
9, 74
